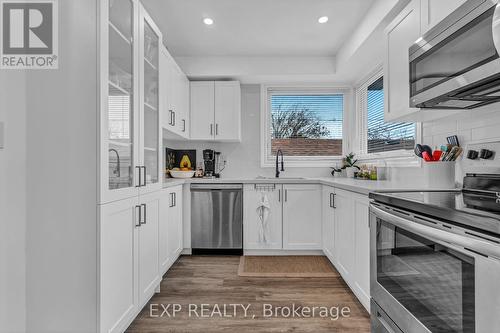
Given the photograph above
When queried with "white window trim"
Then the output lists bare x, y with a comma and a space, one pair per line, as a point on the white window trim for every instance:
395, 158
267, 160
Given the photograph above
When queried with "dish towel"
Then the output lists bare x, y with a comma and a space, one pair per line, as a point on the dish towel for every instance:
263, 211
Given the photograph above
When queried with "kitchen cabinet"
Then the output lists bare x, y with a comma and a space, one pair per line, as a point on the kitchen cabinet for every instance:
118, 269
170, 233
362, 249
399, 36
130, 118
351, 238
175, 93
344, 233
175, 226
433, 11
148, 271
302, 217
253, 195
215, 111
328, 219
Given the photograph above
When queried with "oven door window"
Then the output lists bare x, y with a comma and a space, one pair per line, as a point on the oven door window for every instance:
468, 48
434, 283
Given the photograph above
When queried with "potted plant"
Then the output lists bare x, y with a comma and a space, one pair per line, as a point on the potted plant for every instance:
350, 165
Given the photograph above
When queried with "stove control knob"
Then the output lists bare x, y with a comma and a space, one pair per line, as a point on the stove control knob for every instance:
486, 154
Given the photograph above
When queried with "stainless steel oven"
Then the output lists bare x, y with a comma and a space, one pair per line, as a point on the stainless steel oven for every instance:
456, 64
431, 276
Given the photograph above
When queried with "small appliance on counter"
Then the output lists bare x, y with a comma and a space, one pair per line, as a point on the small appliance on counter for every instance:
213, 163
435, 258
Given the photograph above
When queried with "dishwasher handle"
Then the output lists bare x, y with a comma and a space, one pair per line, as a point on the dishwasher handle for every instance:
210, 187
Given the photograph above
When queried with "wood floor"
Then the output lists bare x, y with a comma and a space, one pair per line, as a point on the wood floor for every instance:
214, 280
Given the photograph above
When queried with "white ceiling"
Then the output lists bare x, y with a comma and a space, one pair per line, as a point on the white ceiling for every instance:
256, 27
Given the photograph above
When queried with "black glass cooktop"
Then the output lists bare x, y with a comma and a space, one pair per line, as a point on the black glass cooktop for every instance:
474, 209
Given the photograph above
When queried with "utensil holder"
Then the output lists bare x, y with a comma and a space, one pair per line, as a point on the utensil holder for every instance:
439, 175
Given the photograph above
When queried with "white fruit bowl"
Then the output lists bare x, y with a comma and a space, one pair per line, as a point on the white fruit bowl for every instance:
181, 174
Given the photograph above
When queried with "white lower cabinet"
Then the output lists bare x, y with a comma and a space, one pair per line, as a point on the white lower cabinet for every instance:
351, 238
294, 217
257, 236
328, 223
149, 274
118, 264
302, 217
140, 238
170, 227
344, 233
175, 234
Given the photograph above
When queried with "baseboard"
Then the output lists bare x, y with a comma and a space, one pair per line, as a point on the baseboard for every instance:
283, 252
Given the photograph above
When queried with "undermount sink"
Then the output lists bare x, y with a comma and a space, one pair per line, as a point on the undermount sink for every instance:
285, 178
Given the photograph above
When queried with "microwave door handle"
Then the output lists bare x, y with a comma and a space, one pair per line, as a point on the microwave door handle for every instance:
438, 235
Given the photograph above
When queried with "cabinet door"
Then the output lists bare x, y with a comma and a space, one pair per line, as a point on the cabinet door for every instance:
202, 110
166, 90
433, 11
149, 51
149, 274
118, 226
184, 102
227, 111
328, 222
362, 249
119, 103
344, 234
163, 254
256, 235
400, 35
302, 217
175, 227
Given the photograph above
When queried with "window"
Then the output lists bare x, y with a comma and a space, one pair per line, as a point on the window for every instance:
378, 136
307, 125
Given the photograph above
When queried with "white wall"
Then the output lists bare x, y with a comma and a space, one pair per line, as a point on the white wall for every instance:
62, 180
13, 202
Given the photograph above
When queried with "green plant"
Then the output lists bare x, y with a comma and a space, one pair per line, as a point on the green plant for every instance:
350, 162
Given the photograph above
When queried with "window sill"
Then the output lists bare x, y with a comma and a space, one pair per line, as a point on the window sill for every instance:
399, 159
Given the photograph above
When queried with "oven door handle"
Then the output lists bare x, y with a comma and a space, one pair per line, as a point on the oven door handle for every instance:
469, 243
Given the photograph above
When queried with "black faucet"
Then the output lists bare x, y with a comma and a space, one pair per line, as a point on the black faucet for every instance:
278, 153
117, 169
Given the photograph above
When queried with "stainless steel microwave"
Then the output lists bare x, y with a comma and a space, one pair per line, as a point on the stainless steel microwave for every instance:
456, 65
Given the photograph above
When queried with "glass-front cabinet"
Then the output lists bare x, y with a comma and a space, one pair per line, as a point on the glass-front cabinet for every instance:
150, 101
130, 125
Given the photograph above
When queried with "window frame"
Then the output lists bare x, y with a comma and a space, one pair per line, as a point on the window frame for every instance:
267, 159
400, 157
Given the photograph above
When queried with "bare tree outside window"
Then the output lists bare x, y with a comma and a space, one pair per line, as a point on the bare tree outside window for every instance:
307, 125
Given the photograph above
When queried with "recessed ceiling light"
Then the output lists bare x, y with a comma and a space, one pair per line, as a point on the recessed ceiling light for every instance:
208, 21
323, 19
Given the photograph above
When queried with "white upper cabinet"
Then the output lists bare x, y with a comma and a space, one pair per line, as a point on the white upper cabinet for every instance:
227, 111
130, 102
260, 234
150, 104
202, 110
175, 93
215, 111
302, 217
400, 35
433, 11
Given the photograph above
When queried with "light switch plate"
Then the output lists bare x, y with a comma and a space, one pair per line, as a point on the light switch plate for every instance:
2, 134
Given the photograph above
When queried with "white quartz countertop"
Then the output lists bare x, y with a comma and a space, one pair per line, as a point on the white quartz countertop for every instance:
354, 185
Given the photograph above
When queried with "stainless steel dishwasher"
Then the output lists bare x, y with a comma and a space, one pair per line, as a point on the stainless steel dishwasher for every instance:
217, 218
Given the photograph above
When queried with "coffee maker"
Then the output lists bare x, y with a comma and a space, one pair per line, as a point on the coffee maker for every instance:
209, 162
